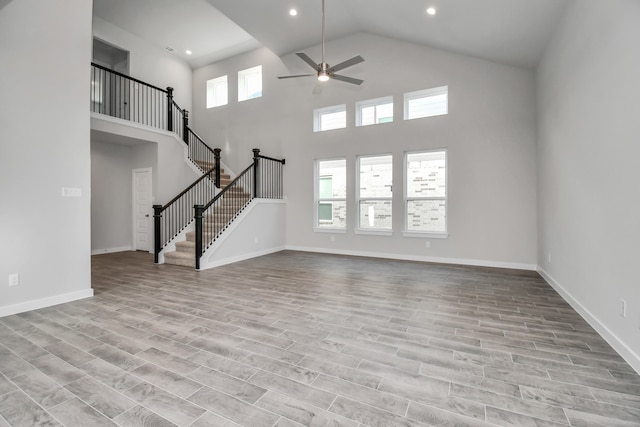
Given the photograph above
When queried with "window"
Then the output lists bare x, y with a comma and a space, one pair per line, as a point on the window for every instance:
426, 103
329, 118
375, 177
374, 111
217, 92
426, 192
331, 194
250, 83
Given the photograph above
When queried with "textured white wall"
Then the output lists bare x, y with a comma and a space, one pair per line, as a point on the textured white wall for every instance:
45, 51
489, 134
149, 63
588, 151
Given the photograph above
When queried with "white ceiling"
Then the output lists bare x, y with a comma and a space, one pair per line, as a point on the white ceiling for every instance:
513, 32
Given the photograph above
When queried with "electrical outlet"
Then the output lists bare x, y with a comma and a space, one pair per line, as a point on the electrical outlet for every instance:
14, 279
623, 308
549, 257
427, 244
333, 238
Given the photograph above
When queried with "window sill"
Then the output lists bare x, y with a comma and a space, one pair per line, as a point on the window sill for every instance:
373, 232
425, 235
330, 230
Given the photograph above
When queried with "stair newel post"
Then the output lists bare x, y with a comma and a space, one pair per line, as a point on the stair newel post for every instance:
185, 126
157, 242
256, 158
170, 109
199, 209
216, 157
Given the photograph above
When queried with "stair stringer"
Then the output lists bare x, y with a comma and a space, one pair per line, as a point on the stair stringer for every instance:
258, 230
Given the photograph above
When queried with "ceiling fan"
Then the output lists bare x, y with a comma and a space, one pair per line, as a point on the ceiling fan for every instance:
324, 71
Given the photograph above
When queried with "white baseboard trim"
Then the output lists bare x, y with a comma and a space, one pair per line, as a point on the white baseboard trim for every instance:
618, 345
8, 310
111, 250
404, 257
242, 257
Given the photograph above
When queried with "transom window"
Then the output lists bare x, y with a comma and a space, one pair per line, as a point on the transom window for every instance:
426, 192
374, 111
426, 103
329, 118
217, 92
250, 83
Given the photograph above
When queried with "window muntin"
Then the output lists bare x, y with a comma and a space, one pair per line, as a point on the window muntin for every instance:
426, 191
217, 92
250, 83
375, 192
330, 118
426, 103
374, 111
331, 193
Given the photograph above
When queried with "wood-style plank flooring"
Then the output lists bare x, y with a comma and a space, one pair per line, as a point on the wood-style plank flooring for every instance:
300, 339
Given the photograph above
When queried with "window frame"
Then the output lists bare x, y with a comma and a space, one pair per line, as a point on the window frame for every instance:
425, 93
211, 86
319, 112
360, 105
243, 75
406, 199
372, 231
326, 200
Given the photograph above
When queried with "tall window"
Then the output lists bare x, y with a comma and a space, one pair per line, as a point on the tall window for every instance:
331, 194
375, 178
426, 103
250, 83
426, 192
374, 111
217, 93
329, 118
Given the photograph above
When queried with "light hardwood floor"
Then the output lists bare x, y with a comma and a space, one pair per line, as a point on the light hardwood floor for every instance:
295, 339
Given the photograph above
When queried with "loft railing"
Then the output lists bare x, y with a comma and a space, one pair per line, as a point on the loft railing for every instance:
169, 220
118, 95
262, 179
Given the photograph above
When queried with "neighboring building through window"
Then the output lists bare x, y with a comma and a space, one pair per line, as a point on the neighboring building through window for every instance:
331, 194
374, 198
250, 83
426, 103
374, 111
217, 92
426, 192
329, 118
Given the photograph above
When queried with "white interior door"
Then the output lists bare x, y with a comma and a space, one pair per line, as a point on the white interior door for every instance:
142, 210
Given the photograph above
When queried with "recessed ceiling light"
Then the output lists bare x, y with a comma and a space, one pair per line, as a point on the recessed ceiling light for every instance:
188, 52
431, 11
293, 12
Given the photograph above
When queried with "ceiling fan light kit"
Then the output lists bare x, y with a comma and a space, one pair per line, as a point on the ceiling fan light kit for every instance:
324, 72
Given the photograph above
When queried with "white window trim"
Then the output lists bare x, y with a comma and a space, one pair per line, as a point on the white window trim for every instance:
371, 103
426, 234
216, 81
242, 82
317, 199
372, 231
317, 113
425, 93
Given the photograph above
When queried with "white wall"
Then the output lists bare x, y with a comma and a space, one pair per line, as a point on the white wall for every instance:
44, 123
489, 134
149, 63
588, 174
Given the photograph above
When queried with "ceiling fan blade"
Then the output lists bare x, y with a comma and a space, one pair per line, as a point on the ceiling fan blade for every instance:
295, 76
348, 63
308, 60
347, 79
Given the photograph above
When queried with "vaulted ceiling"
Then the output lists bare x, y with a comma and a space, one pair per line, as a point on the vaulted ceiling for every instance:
513, 32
